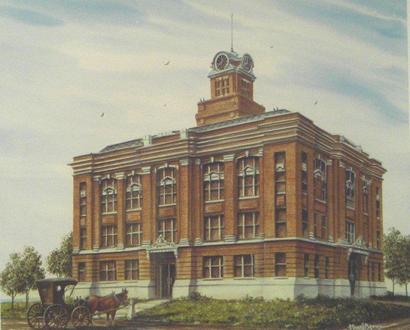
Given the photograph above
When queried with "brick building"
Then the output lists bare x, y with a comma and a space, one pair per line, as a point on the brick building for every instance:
248, 202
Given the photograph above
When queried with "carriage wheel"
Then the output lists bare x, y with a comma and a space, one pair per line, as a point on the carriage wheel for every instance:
35, 316
81, 316
56, 316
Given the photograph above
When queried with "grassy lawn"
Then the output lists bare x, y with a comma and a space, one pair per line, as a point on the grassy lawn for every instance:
319, 313
18, 313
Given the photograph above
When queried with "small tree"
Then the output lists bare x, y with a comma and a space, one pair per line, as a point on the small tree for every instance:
31, 269
59, 260
404, 272
392, 255
9, 280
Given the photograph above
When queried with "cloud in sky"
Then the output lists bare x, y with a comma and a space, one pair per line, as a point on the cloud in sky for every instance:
62, 63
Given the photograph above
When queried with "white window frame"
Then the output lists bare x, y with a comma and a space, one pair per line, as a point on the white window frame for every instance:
208, 264
107, 267
208, 228
166, 177
163, 229
210, 176
130, 269
242, 225
134, 193
133, 234
350, 231
109, 233
108, 197
242, 265
248, 167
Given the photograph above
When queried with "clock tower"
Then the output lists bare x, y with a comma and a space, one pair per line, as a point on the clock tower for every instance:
231, 78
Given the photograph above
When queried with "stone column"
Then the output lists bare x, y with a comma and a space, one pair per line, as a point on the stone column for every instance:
120, 177
330, 200
198, 203
292, 167
90, 212
184, 202
76, 214
97, 213
341, 201
311, 192
230, 180
268, 195
147, 204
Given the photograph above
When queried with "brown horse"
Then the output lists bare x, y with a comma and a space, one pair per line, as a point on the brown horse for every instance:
107, 304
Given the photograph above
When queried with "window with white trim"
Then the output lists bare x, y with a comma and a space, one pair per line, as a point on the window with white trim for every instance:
365, 198
320, 176
350, 187
213, 181
350, 232
222, 86
248, 225
83, 199
248, 177
378, 212
214, 228
108, 271
108, 196
244, 266
303, 172
83, 237
167, 229
134, 192
133, 234
213, 267
109, 236
81, 272
131, 271
167, 193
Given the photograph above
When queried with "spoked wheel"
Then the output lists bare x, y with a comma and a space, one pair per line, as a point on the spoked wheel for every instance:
81, 316
35, 316
56, 317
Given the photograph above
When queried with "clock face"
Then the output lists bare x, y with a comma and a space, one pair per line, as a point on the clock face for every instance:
221, 62
247, 62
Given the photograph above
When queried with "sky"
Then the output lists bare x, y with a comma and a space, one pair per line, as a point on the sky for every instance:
63, 63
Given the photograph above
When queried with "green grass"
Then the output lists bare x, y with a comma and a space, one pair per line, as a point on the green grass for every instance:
18, 313
319, 313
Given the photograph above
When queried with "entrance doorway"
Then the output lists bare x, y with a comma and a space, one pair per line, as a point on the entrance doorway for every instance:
353, 272
165, 273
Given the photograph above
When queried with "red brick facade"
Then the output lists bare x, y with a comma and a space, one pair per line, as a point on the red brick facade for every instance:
293, 200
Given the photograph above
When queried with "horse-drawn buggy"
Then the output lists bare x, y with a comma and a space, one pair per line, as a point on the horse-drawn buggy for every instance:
54, 312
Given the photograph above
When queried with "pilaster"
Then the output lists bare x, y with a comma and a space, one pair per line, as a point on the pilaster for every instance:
148, 203
120, 177
97, 212
230, 193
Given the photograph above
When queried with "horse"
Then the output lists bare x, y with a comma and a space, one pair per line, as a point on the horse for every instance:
107, 304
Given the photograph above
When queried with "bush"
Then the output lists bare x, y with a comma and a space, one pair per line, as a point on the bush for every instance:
304, 313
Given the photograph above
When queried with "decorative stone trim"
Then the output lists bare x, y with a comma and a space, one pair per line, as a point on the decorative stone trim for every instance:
76, 250
329, 162
184, 242
198, 161
229, 157
230, 238
183, 133
146, 170
119, 176
120, 246
147, 140
97, 178
184, 162
198, 241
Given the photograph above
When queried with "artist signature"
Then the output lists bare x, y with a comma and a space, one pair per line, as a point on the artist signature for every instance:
363, 326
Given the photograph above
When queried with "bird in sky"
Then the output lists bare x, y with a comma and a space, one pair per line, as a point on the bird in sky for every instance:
167, 62
102, 114
316, 102
271, 46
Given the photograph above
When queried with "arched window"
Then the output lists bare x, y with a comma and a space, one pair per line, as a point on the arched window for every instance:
319, 175
108, 196
166, 182
248, 177
134, 192
350, 187
214, 181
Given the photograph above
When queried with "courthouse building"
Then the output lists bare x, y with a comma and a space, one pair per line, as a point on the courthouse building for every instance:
248, 202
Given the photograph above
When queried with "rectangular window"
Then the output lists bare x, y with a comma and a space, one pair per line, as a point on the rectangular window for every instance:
317, 266
167, 229
131, 270
83, 199
280, 264
244, 266
373, 272
304, 176
379, 271
133, 234
134, 193
213, 267
365, 202
248, 177
108, 271
305, 222
109, 236
306, 265
378, 202
320, 179
83, 238
166, 185
378, 241
350, 232
108, 196
315, 225
213, 181
350, 181
327, 267
81, 272
214, 228
248, 225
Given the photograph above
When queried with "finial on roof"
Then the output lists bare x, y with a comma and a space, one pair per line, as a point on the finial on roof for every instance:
231, 32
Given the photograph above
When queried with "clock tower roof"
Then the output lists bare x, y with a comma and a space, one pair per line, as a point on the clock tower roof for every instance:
231, 62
